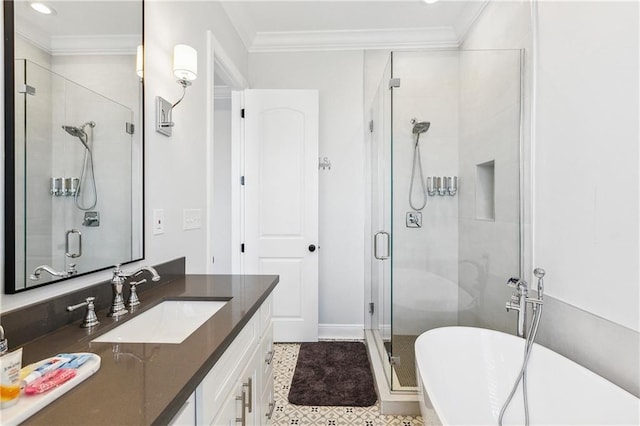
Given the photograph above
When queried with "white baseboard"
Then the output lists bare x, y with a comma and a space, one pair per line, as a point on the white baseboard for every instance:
341, 331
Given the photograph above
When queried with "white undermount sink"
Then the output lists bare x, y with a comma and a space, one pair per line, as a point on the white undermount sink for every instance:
171, 321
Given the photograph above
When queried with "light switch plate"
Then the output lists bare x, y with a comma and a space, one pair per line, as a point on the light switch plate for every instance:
192, 219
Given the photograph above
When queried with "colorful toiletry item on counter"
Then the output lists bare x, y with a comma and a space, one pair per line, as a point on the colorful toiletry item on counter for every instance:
50, 380
48, 365
51, 372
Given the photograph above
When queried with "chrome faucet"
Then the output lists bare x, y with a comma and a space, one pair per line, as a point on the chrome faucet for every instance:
117, 282
520, 298
35, 276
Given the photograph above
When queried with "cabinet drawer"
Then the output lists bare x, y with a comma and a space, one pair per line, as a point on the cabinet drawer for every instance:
266, 356
219, 382
267, 403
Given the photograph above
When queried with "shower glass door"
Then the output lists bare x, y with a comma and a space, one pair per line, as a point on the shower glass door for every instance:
380, 164
445, 194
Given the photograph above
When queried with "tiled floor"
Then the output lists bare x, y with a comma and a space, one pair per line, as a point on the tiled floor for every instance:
285, 358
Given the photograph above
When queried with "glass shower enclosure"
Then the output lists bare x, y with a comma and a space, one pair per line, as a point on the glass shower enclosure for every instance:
445, 206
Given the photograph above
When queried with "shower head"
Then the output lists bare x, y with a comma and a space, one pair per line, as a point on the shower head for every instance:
74, 131
79, 133
420, 126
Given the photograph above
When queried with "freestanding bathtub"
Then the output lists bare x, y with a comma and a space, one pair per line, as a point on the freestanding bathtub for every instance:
465, 374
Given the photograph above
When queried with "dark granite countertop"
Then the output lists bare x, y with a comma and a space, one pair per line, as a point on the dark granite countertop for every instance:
148, 383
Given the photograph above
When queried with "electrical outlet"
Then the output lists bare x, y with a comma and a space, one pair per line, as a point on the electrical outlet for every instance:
158, 221
192, 219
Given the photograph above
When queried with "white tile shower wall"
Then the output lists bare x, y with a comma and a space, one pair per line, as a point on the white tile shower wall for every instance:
425, 275
490, 132
338, 77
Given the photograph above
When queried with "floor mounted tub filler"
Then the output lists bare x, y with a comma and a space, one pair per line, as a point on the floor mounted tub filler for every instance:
465, 374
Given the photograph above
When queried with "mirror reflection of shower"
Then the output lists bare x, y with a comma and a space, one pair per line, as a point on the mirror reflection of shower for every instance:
87, 164
419, 127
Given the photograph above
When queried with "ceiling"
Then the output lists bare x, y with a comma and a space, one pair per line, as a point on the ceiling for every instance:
82, 26
343, 24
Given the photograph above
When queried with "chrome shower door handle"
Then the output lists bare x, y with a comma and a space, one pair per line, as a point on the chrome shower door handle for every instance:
66, 249
375, 245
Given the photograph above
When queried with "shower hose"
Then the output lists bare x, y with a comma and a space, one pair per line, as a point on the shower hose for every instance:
417, 159
88, 158
522, 375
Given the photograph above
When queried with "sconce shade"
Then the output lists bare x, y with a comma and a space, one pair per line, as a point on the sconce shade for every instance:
139, 62
185, 62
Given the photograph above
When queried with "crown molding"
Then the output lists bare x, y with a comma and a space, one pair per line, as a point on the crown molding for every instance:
83, 45
221, 92
403, 38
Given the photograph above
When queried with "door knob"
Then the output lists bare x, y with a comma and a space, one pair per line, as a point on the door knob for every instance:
312, 248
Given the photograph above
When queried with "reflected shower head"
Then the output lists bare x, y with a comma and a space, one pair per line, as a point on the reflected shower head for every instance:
79, 133
420, 126
74, 131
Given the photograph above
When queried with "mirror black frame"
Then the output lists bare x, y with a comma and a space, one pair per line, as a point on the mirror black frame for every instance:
9, 158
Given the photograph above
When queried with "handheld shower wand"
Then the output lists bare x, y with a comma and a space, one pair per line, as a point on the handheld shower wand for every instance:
82, 136
419, 127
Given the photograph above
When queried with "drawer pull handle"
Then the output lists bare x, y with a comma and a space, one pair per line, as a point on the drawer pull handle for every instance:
269, 357
272, 407
248, 385
243, 419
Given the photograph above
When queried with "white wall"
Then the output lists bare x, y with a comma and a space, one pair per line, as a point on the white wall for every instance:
586, 164
338, 77
175, 168
221, 231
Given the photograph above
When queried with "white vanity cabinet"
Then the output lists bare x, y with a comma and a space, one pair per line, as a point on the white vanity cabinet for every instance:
238, 390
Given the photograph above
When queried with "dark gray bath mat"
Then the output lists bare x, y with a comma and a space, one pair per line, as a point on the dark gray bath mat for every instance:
333, 373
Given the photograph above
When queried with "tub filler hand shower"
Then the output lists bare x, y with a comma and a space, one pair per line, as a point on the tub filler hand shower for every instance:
518, 302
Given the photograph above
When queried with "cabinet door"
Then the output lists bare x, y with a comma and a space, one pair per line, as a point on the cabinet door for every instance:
187, 414
229, 412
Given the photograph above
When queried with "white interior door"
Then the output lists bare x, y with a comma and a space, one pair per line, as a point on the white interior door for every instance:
281, 204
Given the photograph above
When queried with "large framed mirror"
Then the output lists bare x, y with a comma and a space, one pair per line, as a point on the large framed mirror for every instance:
74, 142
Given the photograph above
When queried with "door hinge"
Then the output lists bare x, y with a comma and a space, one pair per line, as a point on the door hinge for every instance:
242, 248
130, 128
242, 180
371, 126
25, 88
371, 307
394, 83
242, 113
394, 360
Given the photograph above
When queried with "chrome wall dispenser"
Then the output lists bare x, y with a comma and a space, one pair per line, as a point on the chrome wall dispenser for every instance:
64, 186
442, 185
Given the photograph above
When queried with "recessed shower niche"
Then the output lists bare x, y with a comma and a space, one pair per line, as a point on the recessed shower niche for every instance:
486, 191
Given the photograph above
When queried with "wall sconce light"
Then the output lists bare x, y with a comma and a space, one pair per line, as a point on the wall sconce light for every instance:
185, 68
140, 62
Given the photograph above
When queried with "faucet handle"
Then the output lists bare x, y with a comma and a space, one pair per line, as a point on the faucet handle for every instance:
133, 294
90, 318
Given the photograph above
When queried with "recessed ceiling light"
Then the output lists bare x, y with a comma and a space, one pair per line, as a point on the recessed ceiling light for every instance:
42, 8
430, 1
